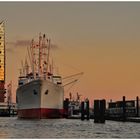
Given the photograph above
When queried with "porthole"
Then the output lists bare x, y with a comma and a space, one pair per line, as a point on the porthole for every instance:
35, 92
46, 92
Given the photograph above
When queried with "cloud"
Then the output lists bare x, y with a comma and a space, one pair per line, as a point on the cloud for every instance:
23, 43
10, 50
19, 43
54, 46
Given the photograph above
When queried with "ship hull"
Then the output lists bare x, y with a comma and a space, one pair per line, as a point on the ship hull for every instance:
40, 113
40, 99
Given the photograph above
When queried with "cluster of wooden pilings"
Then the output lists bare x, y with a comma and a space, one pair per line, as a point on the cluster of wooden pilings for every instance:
137, 105
99, 111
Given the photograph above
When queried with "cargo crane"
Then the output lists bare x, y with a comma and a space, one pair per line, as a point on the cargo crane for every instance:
71, 76
72, 82
81, 73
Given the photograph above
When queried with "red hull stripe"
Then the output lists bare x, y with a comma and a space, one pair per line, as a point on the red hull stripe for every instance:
40, 113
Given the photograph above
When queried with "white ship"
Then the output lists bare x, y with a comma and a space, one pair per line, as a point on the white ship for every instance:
40, 93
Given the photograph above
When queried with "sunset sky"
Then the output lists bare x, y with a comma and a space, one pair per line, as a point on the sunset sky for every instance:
101, 39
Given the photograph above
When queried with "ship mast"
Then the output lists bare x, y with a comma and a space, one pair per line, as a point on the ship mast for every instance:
48, 55
40, 56
33, 66
26, 67
40, 63
32, 56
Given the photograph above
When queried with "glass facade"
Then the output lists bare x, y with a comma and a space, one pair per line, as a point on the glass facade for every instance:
2, 52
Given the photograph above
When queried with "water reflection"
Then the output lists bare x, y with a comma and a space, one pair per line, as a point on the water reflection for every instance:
63, 128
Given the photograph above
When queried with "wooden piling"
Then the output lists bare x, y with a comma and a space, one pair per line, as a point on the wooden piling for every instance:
137, 106
66, 107
9, 110
82, 111
99, 111
96, 111
87, 110
102, 111
124, 109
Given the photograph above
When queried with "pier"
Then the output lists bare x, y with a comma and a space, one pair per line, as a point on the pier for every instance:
123, 110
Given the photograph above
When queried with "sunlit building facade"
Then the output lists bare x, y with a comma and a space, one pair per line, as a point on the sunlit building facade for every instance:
2, 62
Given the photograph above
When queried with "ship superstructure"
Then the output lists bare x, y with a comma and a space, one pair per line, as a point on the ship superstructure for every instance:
40, 92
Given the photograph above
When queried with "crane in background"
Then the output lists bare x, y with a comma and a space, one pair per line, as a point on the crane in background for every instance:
71, 80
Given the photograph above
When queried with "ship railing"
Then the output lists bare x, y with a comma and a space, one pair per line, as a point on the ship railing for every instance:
57, 79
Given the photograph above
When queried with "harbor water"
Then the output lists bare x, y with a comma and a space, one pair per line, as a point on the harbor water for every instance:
11, 127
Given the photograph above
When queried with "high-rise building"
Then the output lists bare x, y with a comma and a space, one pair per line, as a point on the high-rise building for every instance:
2, 62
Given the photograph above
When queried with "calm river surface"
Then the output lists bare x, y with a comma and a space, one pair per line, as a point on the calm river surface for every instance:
66, 128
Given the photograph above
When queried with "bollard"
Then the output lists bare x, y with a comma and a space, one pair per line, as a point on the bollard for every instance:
137, 106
